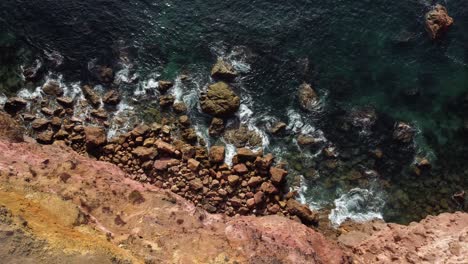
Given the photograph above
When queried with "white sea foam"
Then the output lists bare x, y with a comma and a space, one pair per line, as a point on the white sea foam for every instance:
230, 153
3, 99
122, 120
358, 205
26, 94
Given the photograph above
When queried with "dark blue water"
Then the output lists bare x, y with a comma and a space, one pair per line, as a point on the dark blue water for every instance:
354, 53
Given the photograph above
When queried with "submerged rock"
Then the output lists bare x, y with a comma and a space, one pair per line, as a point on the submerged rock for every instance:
223, 71
308, 98
438, 21
163, 86
112, 97
403, 132
243, 137
216, 127
219, 100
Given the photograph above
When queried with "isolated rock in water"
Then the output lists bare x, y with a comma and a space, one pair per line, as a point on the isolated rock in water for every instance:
216, 127
106, 74
223, 71
219, 100
278, 128
52, 88
163, 86
10, 129
179, 107
112, 97
308, 98
90, 95
403, 132
304, 140
438, 21
14, 105
95, 137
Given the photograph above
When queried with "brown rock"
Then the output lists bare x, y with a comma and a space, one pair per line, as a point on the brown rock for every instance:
65, 101
100, 113
254, 181
47, 111
10, 129
308, 98
144, 153
403, 132
196, 184
140, 130
179, 107
56, 122
278, 128
93, 98
264, 164
95, 137
250, 203
438, 21
40, 124
241, 168
245, 154
277, 175
184, 121
165, 147
302, 211
268, 187
166, 100
52, 88
223, 71
163, 86
217, 154
259, 198
164, 163
216, 127
14, 105
112, 97
233, 179
45, 137
219, 100
193, 164
105, 74
304, 140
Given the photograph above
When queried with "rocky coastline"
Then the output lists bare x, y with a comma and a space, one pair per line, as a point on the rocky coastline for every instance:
168, 154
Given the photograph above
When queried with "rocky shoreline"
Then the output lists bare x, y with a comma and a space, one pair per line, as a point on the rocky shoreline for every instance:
167, 154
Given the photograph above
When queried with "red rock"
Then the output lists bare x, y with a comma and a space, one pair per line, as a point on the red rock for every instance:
196, 184
40, 123
302, 211
165, 147
144, 153
258, 197
164, 163
233, 179
250, 203
193, 164
245, 154
438, 21
241, 168
277, 175
269, 188
254, 181
217, 154
264, 163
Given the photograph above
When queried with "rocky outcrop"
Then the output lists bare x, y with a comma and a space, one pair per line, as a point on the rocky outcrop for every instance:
10, 129
219, 100
436, 239
223, 71
438, 21
242, 137
14, 105
308, 98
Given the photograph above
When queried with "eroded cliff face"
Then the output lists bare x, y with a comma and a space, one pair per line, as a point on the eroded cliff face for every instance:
60, 207
80, 206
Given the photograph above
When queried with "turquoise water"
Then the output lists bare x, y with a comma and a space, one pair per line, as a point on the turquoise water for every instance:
354, 53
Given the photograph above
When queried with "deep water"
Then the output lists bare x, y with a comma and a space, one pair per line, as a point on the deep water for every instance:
354, 53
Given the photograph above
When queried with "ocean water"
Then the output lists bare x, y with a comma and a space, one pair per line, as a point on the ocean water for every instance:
356, 54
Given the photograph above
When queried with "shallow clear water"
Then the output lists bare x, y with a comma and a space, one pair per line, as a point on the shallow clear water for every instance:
354, 53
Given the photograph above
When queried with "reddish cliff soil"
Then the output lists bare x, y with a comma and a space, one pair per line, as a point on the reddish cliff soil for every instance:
87, 207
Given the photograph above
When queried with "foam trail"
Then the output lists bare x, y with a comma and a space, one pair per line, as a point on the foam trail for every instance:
230, 153
358, 205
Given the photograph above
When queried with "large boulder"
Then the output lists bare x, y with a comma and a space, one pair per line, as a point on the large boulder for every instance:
219, 100
308, 98
52, 88
242, 137
223, 71
438, 21
95, 137
302, 211
14, 105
